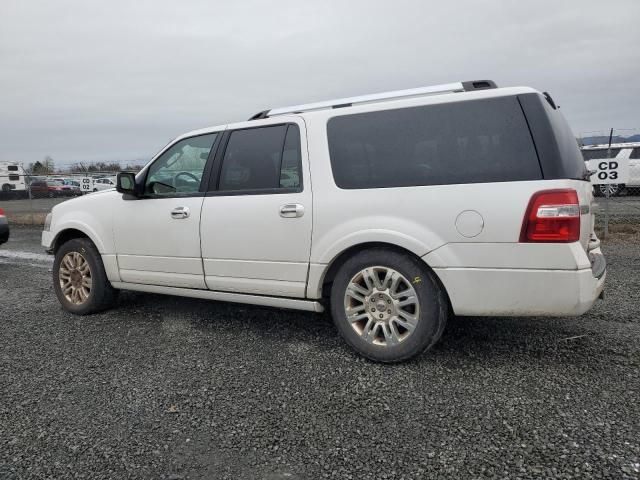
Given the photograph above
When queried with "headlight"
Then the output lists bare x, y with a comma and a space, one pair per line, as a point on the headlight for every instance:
47, 222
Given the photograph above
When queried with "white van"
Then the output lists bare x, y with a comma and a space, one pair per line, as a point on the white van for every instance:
393, 211
12, 178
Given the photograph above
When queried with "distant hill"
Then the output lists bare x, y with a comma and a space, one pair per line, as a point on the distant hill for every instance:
604, 139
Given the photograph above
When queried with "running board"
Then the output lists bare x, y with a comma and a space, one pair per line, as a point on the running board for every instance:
279, 302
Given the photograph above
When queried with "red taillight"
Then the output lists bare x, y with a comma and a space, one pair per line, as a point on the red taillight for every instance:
1, 212
552, 216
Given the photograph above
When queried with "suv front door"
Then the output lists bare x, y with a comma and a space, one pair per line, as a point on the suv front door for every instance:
257, 216
157, 236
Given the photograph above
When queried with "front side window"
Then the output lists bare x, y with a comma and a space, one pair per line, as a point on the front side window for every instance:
178, 171
263, 158
13, 177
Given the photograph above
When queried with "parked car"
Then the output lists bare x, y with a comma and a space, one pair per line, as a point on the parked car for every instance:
104, 183
462, 198
50, 188
622, 152
73, 186
4, 228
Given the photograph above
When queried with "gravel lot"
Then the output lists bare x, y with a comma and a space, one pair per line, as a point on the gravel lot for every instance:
172, 388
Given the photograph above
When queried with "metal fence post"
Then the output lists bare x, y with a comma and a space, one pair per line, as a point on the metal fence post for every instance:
608, 192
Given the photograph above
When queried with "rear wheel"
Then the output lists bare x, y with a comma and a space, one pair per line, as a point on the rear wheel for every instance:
79, 278
388, 306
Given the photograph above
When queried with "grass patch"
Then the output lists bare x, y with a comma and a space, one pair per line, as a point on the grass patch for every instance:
35, 218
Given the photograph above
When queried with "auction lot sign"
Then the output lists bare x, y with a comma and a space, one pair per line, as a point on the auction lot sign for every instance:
609, 170
86, 184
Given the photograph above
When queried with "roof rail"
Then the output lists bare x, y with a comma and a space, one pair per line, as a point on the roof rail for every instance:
378, 97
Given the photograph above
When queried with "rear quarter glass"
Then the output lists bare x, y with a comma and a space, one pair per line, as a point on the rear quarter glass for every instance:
473, 141
557, 147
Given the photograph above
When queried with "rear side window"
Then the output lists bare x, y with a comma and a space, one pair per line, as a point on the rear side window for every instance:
602, 153
264, 158
635, 154
12, 168
13, 177
462, 142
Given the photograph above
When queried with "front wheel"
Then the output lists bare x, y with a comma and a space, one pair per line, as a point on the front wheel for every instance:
614, 189
79, 278
387, 305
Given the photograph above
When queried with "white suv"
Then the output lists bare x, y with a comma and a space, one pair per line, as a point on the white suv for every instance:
393, 211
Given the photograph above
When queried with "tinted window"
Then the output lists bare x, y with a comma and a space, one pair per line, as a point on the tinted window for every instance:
602, 153
12, 168
461, 142
262, 158
635, 154
179, 169
13, 177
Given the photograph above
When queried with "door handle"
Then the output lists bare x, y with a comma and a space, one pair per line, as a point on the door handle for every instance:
180, 212
291, 210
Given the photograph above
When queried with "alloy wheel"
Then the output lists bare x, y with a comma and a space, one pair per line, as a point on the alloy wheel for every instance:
382, 306
74, 275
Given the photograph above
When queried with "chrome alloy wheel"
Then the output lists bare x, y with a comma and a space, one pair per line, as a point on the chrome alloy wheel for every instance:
613, 189
74, 275
382, 306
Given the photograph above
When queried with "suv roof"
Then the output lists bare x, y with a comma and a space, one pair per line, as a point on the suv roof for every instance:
456, 87
456, 91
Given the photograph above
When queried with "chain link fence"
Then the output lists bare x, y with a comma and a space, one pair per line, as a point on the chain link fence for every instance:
27, 198
613, 156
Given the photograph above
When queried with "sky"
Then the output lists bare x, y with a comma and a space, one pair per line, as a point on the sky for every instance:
84, 80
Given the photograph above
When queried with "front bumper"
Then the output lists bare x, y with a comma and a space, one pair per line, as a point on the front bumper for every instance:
524, 292
4, 230
47, 240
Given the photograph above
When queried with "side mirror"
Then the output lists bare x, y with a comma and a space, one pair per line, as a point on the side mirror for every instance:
126, 183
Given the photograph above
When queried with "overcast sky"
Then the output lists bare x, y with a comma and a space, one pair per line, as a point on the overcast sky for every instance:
116, 80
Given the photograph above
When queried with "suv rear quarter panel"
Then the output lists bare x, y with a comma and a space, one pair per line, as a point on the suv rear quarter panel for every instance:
422, 219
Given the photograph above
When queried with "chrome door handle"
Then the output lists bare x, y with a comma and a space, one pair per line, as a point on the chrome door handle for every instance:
291, 210
180, 212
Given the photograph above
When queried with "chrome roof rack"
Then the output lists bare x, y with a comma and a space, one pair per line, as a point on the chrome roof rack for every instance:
378, 97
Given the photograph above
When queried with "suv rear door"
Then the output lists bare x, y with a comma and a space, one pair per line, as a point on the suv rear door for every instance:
257, 216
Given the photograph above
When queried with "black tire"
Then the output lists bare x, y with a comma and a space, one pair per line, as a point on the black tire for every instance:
102, 294
6, 188
432, 299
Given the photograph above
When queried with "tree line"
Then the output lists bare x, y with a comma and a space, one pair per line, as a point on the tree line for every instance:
47, 167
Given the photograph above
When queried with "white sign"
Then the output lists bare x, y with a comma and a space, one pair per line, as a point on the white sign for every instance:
609, 170
86, 184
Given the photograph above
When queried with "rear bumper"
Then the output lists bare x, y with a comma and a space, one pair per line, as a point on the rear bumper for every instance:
524, 292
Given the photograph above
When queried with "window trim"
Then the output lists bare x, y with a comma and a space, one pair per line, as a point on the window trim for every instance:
213, 185
205, 172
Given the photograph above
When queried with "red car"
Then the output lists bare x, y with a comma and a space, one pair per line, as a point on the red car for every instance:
48, 189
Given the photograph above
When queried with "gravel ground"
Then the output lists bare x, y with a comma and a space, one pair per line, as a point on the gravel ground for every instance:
170, 388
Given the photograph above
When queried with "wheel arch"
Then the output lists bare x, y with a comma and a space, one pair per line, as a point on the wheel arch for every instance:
69, 234
333, 267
